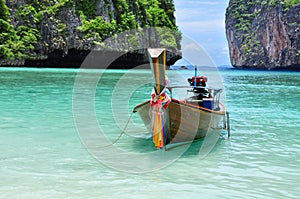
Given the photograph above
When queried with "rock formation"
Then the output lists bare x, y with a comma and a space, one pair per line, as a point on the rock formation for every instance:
60, 33
264, 34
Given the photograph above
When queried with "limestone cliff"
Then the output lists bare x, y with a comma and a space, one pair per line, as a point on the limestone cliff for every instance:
62, 32
264, 34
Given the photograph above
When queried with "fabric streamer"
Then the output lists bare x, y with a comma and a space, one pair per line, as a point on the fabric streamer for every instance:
158, 104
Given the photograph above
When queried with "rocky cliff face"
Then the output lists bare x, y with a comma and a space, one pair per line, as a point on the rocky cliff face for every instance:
264, 34
62, 32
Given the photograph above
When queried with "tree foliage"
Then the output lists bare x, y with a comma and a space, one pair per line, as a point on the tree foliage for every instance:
20, 25
290, 3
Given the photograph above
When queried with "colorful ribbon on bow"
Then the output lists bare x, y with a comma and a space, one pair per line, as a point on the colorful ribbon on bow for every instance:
158, 103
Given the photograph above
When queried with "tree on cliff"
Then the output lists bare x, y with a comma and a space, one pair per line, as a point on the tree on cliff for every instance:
31, 29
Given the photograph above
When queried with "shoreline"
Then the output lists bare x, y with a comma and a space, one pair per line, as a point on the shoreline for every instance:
92, 59
145, 67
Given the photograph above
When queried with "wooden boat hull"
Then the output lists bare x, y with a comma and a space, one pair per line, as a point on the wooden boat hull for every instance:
183, 121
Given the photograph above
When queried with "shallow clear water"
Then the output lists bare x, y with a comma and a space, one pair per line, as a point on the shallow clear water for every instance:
42, 155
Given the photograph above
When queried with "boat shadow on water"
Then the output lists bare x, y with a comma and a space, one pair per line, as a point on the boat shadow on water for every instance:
200, 147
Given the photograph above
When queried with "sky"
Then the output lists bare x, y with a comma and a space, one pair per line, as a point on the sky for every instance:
203, 21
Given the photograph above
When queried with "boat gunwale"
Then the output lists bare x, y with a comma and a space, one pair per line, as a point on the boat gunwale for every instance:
186, 104
140, 105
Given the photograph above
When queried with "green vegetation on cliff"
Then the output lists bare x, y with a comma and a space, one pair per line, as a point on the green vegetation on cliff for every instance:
16, 42
244, 12
290, 3
31, 28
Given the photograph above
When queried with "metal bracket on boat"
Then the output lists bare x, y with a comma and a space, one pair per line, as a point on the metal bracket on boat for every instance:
226, 123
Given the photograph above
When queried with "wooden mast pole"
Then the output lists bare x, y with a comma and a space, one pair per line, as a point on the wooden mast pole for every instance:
159, 60
160, 118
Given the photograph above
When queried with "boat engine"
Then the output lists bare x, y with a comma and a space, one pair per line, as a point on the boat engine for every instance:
199, 89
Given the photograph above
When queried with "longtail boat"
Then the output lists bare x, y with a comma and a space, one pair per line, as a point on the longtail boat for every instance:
173, 121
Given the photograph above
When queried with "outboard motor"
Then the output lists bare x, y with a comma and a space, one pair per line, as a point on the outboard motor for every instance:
200, 81
200, 90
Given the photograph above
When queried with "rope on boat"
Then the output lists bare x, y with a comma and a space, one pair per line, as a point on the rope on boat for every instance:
122, 132
226, 122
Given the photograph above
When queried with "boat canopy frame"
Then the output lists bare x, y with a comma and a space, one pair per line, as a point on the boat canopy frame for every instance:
215, 93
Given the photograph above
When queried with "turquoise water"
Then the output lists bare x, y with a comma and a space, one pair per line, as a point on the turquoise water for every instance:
43, 156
